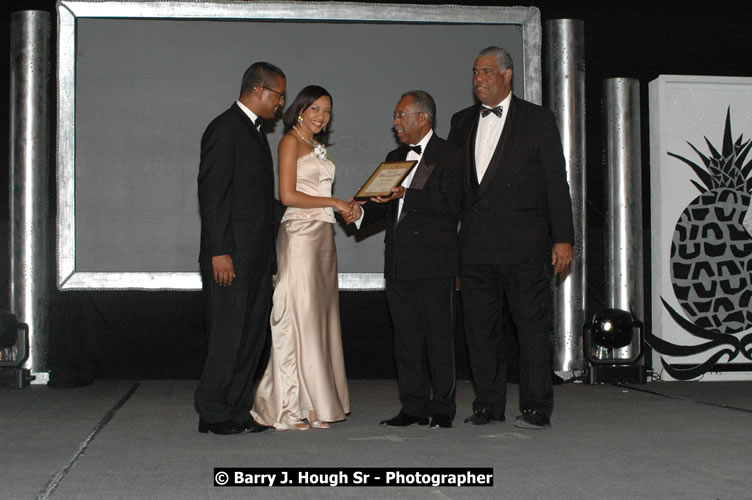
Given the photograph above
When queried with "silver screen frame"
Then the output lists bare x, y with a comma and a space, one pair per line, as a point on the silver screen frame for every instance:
528, 18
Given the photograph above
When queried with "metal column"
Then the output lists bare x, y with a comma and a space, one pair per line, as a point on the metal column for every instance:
565, 96
624, 280
30, 279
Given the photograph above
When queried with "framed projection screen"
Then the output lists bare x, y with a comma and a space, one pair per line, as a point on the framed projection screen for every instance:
139, 81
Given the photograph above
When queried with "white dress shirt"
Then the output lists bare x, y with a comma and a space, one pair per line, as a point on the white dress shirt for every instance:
488, 135
412, 155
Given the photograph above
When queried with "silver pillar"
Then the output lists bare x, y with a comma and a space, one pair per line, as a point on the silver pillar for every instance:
624, 280
30, 74
565, 96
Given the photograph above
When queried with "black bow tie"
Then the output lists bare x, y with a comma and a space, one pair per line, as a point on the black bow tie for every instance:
258, 122
417, 149
486, 111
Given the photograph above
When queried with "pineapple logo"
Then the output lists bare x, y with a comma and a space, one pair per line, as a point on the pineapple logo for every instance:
711, 258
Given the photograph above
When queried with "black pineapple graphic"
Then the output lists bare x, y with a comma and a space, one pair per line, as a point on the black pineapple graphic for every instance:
711, 258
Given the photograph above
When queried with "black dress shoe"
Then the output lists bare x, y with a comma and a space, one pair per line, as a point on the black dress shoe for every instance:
253, 426
403, 420
482, 416
532, 419
203, 426
224, 428
441, 422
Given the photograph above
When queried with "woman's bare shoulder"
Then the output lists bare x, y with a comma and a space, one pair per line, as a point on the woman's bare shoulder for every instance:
288, 144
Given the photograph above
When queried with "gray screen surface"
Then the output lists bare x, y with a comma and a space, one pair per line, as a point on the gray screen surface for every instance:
146, 89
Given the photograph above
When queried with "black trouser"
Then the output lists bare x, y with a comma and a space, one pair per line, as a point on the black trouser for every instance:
423, 316
526, 287
236, 320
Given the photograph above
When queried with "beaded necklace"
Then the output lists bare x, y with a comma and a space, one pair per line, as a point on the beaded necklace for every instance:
319, 150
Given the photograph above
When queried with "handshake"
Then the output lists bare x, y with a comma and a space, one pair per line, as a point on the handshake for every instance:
351, 210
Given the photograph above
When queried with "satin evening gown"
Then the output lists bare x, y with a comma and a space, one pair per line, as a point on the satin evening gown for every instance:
306, 369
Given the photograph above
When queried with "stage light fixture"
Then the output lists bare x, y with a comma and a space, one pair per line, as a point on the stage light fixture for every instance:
14, 349
8, 329
613, 329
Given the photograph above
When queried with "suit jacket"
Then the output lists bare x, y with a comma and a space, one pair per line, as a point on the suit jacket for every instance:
423, 244
522, 204
236, 192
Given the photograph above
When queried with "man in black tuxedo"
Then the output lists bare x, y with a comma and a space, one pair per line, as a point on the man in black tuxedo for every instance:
420, 264
516, 225
237, 205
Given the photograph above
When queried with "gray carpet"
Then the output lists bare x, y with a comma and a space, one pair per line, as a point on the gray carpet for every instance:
660, 440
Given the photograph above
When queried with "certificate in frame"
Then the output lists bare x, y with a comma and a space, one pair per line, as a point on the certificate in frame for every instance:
386, 176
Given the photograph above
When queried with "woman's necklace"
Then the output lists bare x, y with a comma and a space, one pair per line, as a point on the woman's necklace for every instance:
319, 150
310, 142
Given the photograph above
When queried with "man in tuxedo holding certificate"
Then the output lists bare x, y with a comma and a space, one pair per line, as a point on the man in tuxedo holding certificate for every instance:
421, 262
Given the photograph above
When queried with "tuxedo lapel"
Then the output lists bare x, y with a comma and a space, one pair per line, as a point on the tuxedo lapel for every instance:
257, 135
261, 137
423, 171
496, 160
425, 168
472, 175
265, 140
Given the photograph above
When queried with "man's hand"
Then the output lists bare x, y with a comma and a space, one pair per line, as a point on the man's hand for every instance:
397, 192
224, 271
561, 257
355, 211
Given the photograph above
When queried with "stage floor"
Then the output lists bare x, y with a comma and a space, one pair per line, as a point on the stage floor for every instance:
139, 439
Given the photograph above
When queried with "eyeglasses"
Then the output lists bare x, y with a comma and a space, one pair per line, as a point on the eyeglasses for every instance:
400, 116
281, 95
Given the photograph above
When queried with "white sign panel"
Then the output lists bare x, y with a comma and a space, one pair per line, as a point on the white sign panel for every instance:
700, 130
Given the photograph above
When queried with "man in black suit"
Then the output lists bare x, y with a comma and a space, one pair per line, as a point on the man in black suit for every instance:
420, 264
516, 225
237, 205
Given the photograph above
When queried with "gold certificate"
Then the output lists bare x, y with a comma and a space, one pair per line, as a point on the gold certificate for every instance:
384, 178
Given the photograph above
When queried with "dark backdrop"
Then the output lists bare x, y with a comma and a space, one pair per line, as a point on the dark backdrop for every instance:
159, 334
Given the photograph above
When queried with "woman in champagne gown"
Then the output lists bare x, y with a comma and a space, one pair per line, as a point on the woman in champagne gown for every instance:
304, 384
